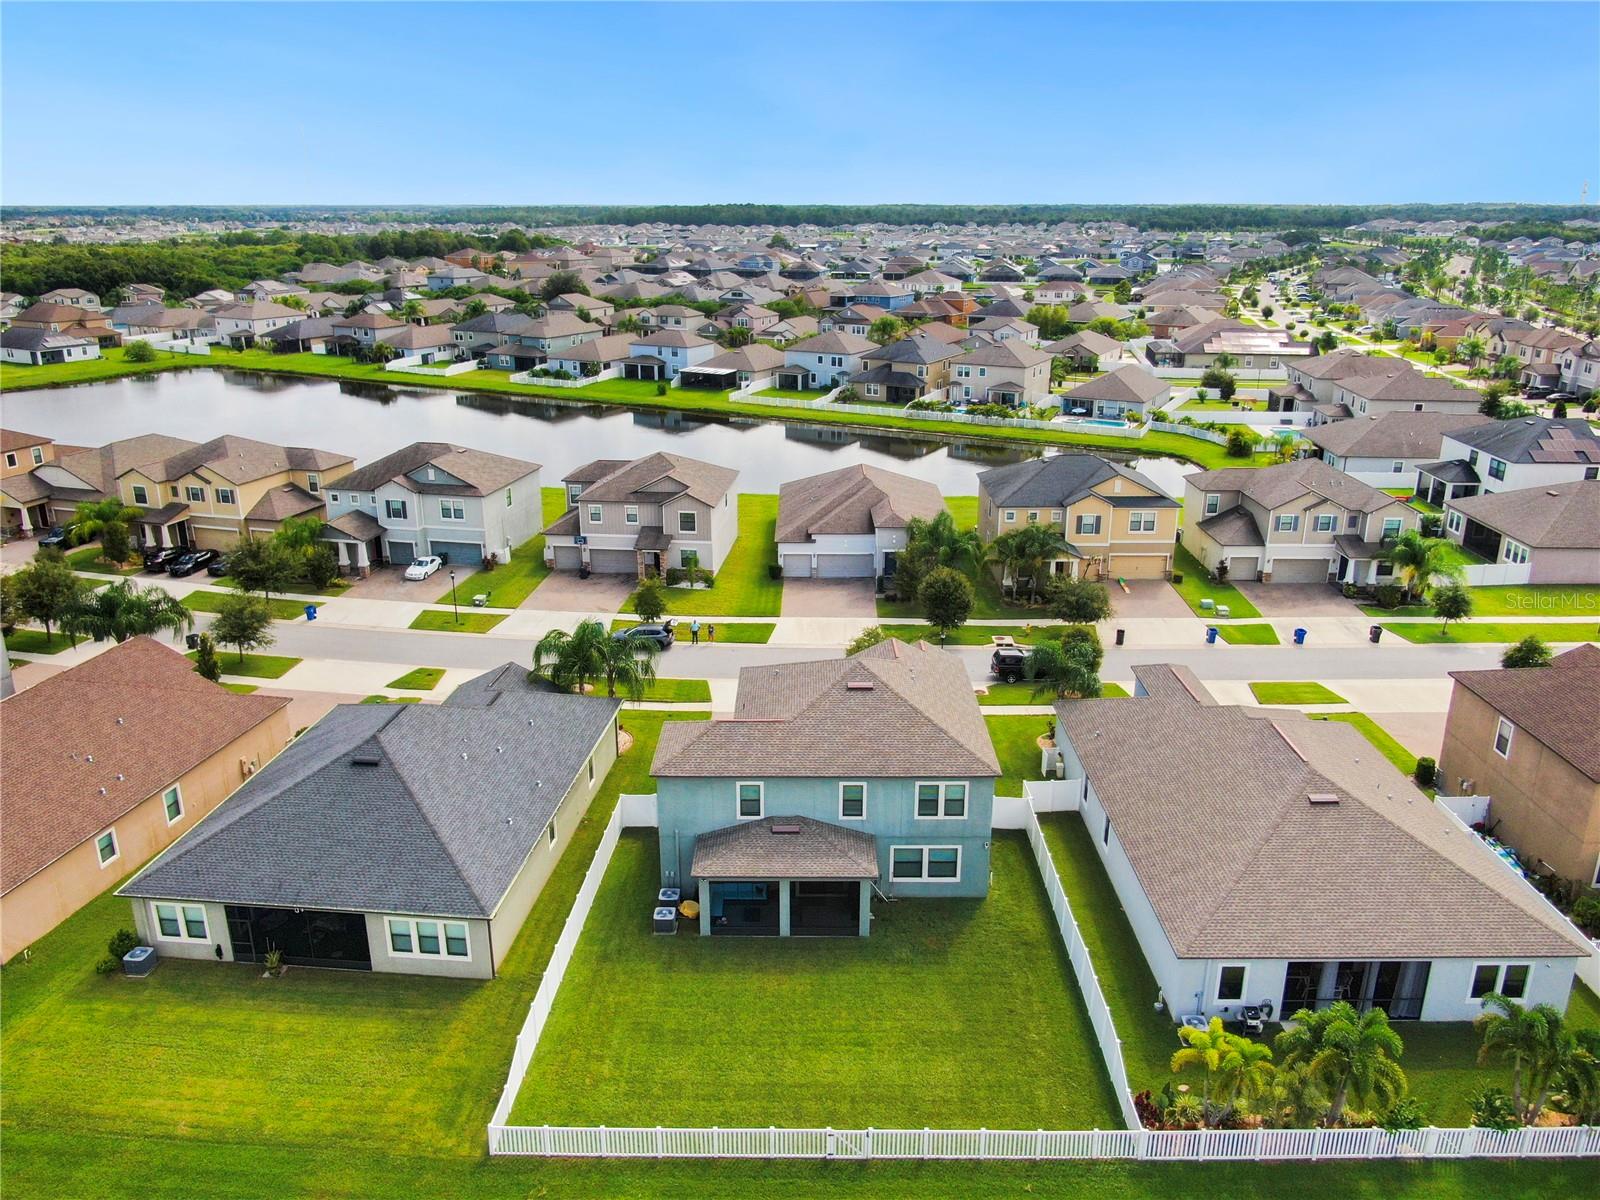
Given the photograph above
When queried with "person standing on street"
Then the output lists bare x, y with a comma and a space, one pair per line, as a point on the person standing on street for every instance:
711, 633
694, 632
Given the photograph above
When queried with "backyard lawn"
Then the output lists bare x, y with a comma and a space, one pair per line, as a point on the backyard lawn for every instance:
1524, 600
510, 583
1403, 760
973, 999
1024, 693
1427, 633
281, 609
1016, 745
1248, 635
1294, 693
1196, 587
752, 632
36, 641
418, 679
443, 620
743, 587
252, 666
112, 364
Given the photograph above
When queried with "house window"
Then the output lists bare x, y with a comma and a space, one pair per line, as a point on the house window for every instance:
195, 495
1142, 522
1010, 516
1514, 552
181, 922
1353, 521
1472, 458
508, 497
689, 558
1502, 737
1033, 517
313, 482
333, 497
173, 488
1326, 522
941, 801
172, 801
1453, 522
106, 847
1055, 516
427, 937
1089, 524
940, 864
400, 937
452, 510
1391, 528
1509, 979
455, 936
1230, 983
872, 389
395, 510
574, 490
11, 460
1286, 523
688, 521
1497, 468
423, 938
852, 801
140, 496
596, 515
630, 515
1213, 503
751, 803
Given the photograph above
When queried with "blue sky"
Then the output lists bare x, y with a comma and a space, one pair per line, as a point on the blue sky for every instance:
688, 103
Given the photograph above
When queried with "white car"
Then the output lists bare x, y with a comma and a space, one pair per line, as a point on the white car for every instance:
421, 568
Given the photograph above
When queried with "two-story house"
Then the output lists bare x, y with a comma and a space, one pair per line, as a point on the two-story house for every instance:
535, 341
24, 497
1538, 351
1314, 382
1508, 456
645, 517
849, 523
433, 498
830, 781
905, 370
1386, 450
243, 324
1009, 372
827, 360
477, 335
77, 297
1296, 522
1115, 522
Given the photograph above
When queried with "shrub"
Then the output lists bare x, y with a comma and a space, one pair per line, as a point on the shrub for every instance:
139, 352
1426, 772
121, 942
870, 636
321, 566
661, 389
107, 966
650, 601
1241, 444
1077, 600
1432, 525
1387, 595
1531, 651
1586, 913
1177, 577
774, 570
1493, 1109
205, 659
1408, 1113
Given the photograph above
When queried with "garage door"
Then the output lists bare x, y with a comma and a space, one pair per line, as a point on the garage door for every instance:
844, 566
567, 558
1299, 570
402, 552
1243, 567
613, 562
1139, 566
461, 554
797, 566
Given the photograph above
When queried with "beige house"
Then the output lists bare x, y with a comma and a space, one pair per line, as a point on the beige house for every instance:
1526, 739
109, 762
24, 500
1116, 523
1008, 372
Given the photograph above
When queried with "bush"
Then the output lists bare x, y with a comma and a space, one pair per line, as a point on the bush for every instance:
205, 660
661, 389
108, 966
1407, 1113
1177, 577
1241, 444
139, 352
321, 566
1387, 595
1432, 525
1426, 772
1077, 600
870, 636
121, 942
774, 570
1586, 914
1493, 1109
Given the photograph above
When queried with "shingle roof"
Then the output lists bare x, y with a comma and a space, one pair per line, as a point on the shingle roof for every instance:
1013, 353
917, 348
428, 808
100, 467
1126, 384
1563, 516
837, 341
1390, 435
285, 500
1536, 440
479, 470
241, 460
785, 848
1557, 710
1058, 480
753, 357
1234, 527
87, 745
1279, 484
1380, 873
911, 710
663, 473
853, 500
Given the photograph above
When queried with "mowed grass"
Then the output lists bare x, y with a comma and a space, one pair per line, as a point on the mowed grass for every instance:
112, 364
678, 691
87, 559
252, 666
1402, 759
1016, 745
510, 583
974, 997
1526, 600
1248, 635
744, 632
1280, 692
241, 689
375, 698
281, 610
743, 587
418, 679
36, 641
1026, 693
1196, 587
443, 620
970, 635
1426, 633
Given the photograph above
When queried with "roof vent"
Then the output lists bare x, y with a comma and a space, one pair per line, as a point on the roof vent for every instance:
119, 720
1322, 798
365, 760
88, 758
788, 827
859, 685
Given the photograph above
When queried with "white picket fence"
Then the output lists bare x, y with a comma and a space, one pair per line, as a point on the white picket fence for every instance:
1496, 574
889, 410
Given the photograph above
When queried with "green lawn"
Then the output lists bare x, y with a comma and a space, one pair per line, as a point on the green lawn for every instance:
1016, 745
970, 635
781, 394
509, 584
375, 698
1023, 693
252, 666
1403, 760
1215, 404
443, 620
976, 996
743, 587
751, 632
88, 560
112, 364
1248, 635
241, 689
418, 679
1295, 693
1196, 587
678, 691
1427, 633
281, 609
36, 641
1520, 600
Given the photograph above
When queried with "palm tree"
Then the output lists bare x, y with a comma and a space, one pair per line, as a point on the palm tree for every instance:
630, 662
571, 660
1580, 1085
1297, 1099
1352, 1056
939, 543
126, 610
1225, 361
1420, 560
1544, 1053
1058, 670
91, 517
1470, 349
1246, 1071
1203, 1050
411, 310
628, 324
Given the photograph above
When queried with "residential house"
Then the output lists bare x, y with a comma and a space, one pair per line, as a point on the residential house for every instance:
1251, 347
76, 297
157, 324
667, 352
69, 320
1553, 531
905, 370
51, 492
1580, 368
269, 289
831, 781
791, 329
1526, 741
476, 336
1115, 522
1120, 393
532, 341
360, 333
1508, 456
1009, 372
668, 316
593, 356
24, 497
874, 293
1538, 351
1338, 879
310, 335
96, 781
753, 366
597, 308
1295, 522
1087, 350
240, 325
645, 517
411, 839
1385, 451
849, 523
39, 347
143, 293
856, 320
827, 360
455, 276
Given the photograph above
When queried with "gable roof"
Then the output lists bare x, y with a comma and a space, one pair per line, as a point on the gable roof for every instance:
1536, 440
918, 348
1013, 353
1555, 705
662, 475
1277, 485
480, 471
1562, 516
1391, 435
1058, 480
1125, 384
239, 460
853, 500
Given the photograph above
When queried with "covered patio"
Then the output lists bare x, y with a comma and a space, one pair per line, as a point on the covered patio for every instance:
1439, 482
644, 366
785, 877
1397, 987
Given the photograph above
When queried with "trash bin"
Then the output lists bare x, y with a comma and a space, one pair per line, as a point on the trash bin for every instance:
1211, 635
192, 640
1121, 636
311, 612
1374, 633
1299, 637
139, 961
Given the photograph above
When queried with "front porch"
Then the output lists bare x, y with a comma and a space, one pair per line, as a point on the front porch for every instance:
166, 526
785, 877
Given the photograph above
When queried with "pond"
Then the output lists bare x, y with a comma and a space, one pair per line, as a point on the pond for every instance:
370, 420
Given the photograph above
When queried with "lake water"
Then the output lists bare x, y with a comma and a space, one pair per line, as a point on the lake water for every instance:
367, 421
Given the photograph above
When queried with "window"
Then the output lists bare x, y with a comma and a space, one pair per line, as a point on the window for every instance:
11, 460
751, 804
1142, 522
1033, 517
1509, 979
333, 497
630, 515
427, 937
1497, 468
400, 937
1502, 737
1213, 503
574, 490
1286, 523
941, 864
1010, 516
1472, 458
1088, 524
1230, 983
1514, 552
1353, 521
172, 801
395, 510
1391, 528
452, 510
508, 497
1327, 522
550, 833
689, 558
941, 801
688, 521
1453, 522
424, 938
106, 847
1055, 515
140, 496
852, 801
313, 482
455, 936
194, 922
181, 922
194, 495
1514, 983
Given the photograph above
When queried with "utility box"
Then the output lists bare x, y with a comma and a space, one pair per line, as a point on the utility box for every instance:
139, 961
665, 920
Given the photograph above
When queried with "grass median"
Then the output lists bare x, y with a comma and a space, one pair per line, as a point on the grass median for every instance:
439, 620
252, 666
1280, 692
1426, 633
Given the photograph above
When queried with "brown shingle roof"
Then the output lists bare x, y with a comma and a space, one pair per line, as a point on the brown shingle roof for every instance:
1554, 705
663, 473
1272, 487
479, 470
1563, 516
126, 723
785, 848
856, 499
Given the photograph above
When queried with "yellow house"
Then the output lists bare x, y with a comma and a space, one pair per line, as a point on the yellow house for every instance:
1115, 522
24, 500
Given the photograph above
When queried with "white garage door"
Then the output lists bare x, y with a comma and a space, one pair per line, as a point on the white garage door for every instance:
1243, 567
568, 558
613, 562
1299, 570
844, 566
797, 566
1139, 566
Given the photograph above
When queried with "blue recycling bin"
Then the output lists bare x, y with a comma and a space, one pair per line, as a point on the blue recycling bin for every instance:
1211, 635
1299, 637
311, 612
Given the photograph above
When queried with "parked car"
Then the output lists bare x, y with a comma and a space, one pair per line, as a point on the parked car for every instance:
56, 537
188, 564
218, 567
421, 568
1009, 663
1562, 397
660, 634
159, 558
1538, 391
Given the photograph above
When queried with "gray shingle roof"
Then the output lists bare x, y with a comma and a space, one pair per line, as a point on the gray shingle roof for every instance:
1272, 487
785, 848
1563, 516
481, 471
1058, 480
1391, 435
660, 474
1128, 384
1556, 710
858, 499
1535, 440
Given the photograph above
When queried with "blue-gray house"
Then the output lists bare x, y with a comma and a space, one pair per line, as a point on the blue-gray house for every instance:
832, 781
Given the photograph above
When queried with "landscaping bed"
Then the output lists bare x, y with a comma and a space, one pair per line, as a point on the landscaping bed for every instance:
1025, 693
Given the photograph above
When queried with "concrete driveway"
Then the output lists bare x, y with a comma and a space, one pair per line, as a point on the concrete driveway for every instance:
829, 598
1146, 598
1297, 600
563, 591
389, 583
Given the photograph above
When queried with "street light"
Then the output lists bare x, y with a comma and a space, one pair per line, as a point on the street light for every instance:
453, 603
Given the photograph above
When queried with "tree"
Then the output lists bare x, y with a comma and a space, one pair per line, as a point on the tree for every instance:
1026, 553
321, 566
1245, 1072
1541, 1049
263, 565
1241, 442
1451, 602
139, 352
1216, 377
870, 636
9, 616
124, 610
474, 308
1353, 1056
629, 663
563, 283
1494, 399
886, 329
1057, 669
1418, 561
244, 622
1202, 1053
946, 599
1531, 651
650, 601
205, 660
107, 520
1470, 349
1080, 600
411, 311
933, 543
1266, 312
735, 336
46, 589
571, 660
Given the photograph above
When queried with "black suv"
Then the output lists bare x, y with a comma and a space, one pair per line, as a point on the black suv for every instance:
660, 634
191, 562
159, 558
1009, 663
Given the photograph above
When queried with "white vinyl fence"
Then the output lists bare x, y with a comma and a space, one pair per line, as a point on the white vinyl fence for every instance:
1496, 574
